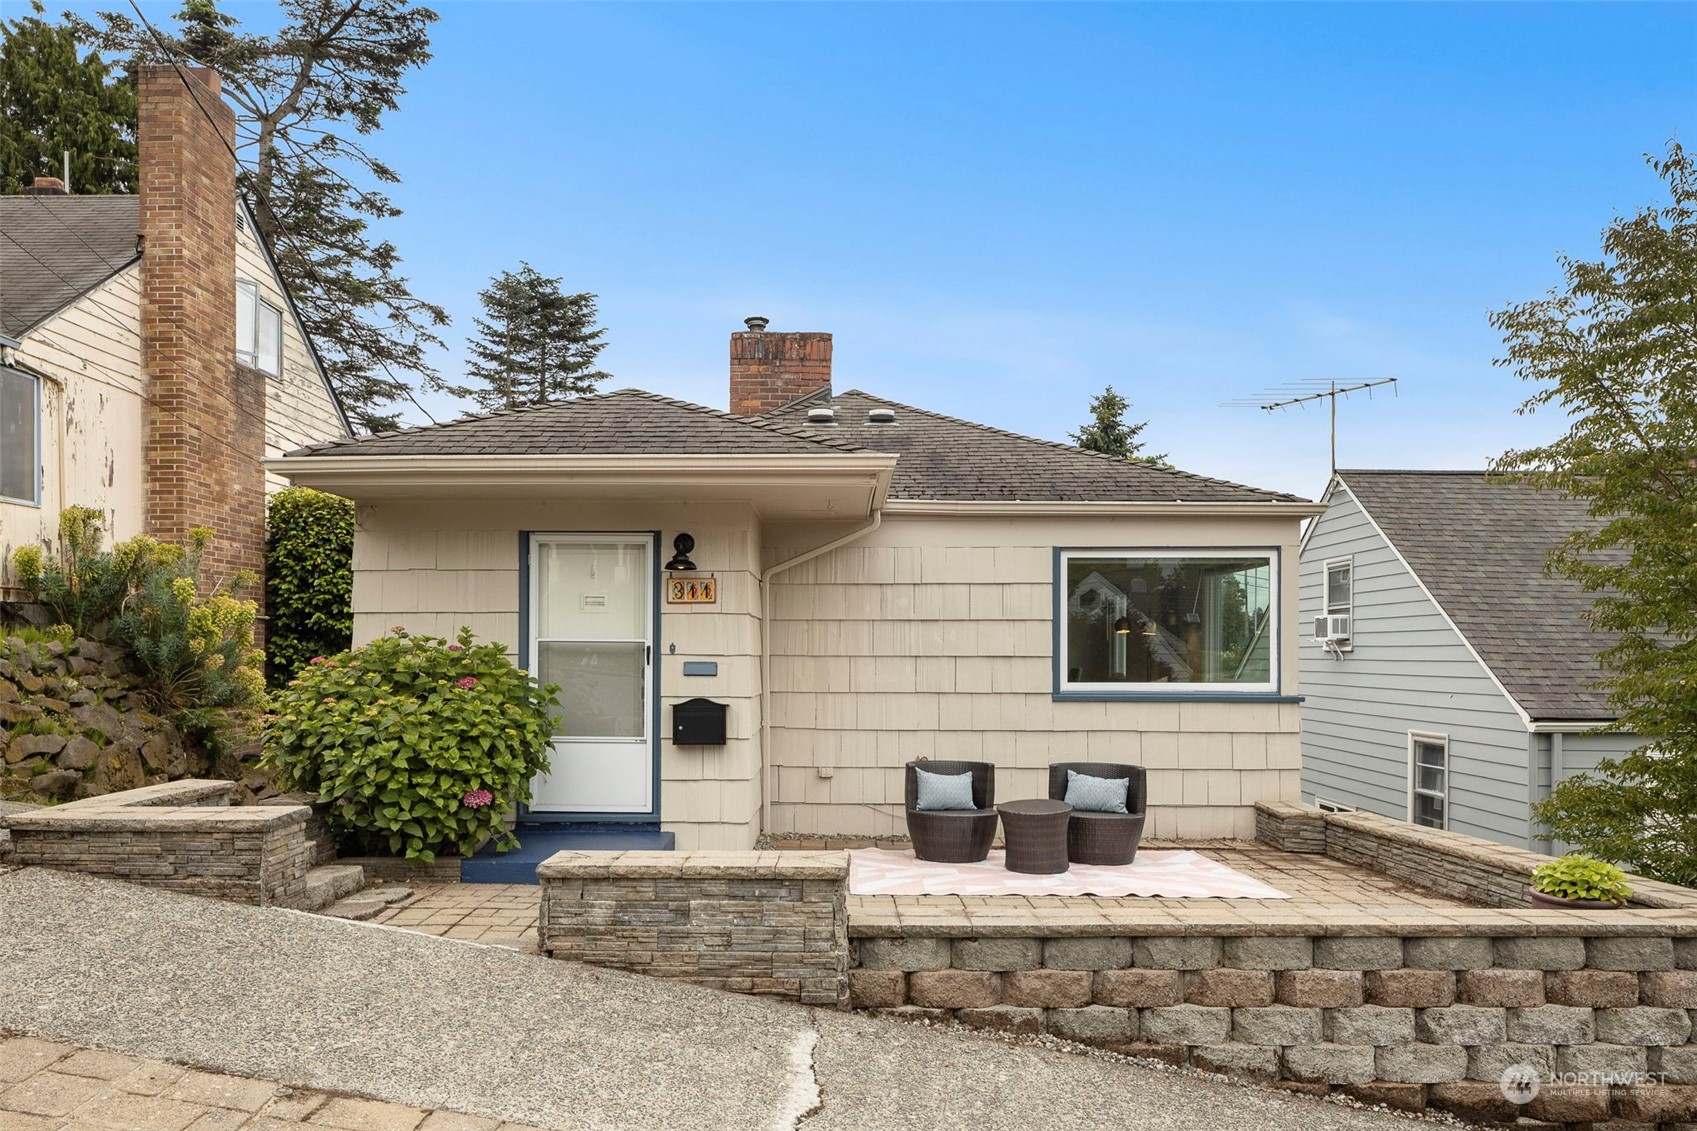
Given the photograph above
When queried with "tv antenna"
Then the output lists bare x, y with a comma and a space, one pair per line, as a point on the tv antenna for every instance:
1311, 390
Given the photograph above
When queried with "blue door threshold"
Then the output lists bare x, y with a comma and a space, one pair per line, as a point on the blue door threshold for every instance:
538, 842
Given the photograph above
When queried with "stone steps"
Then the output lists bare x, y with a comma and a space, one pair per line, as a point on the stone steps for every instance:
368, 904
328, 883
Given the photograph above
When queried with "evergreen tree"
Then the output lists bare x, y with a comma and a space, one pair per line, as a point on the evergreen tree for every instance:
536, 345
52, 101
306, 97
1108, 432
1615, 350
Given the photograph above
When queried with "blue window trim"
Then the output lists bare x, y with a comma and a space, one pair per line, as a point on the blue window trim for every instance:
652, 817
1057, 615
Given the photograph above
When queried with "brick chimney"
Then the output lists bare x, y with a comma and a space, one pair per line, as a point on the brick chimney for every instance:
45, 186
203, 420
770, 370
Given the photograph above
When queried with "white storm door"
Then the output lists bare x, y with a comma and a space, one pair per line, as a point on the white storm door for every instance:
591, 631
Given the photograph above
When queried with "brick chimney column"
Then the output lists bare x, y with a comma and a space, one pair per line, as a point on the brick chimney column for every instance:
769, 370
203, 420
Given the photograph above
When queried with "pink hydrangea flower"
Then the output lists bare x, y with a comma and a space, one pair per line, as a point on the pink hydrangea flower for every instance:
466, 681
478, 799
455, 648
317, 660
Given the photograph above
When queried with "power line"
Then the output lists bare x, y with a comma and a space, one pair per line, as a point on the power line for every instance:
258, 192
118, 321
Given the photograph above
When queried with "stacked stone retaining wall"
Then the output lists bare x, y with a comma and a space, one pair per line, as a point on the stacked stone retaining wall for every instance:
184, 836
769, 923
1390, 1015
1461, 867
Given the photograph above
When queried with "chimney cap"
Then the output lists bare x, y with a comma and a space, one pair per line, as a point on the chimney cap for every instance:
757, 323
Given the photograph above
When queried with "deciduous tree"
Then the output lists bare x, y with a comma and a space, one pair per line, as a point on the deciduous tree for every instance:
1614, 348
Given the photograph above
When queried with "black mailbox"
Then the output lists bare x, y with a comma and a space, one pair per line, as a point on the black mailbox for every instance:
698, 722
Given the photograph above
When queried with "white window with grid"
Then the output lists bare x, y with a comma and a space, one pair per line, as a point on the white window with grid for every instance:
1428, 779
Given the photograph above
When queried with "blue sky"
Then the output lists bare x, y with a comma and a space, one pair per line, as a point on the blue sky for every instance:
999, 209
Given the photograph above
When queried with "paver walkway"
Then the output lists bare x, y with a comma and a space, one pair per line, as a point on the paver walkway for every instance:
53, 1086
497, 914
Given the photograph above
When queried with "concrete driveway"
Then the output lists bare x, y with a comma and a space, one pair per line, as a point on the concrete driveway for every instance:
374, 1011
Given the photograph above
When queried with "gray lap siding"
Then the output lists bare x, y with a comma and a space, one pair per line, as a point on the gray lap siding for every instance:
1407, 670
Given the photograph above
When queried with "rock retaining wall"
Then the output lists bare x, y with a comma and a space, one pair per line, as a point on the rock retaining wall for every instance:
73, 726
185, 836
1461, 867
1393, 1015
770, 923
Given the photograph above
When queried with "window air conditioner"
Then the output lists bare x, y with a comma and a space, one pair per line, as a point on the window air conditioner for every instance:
1331, 629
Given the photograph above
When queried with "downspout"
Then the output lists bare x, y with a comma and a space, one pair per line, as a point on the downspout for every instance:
766, 576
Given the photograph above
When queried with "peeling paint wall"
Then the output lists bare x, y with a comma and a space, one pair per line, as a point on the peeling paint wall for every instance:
92, 404
91, 416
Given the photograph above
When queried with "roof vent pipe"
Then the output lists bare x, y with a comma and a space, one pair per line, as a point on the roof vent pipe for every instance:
821, 416
880, 416
757, 324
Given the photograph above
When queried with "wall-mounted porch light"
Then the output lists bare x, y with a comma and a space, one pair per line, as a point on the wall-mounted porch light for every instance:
683, 544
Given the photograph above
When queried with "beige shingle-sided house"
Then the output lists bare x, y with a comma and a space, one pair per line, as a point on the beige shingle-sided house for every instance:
873, 584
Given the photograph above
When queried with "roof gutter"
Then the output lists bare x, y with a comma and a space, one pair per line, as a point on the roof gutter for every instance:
503, 471
766, 576
948, 508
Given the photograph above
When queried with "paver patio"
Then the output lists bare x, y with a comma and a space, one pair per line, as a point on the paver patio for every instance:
505, 914
53, 1086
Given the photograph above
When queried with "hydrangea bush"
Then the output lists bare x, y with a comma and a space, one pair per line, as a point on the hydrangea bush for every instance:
417, 745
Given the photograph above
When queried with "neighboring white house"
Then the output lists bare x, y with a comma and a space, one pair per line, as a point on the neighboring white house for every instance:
888, 584
150, 357
1459, 680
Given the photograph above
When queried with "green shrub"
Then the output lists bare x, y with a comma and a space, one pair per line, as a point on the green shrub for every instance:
194, 652
1578, 876
82, 585
417, 745
309, 580
1639, 810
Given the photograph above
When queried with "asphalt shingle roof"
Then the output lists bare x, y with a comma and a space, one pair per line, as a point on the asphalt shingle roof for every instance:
940, 458
1479, 545
54, 249
626, 422
951, 460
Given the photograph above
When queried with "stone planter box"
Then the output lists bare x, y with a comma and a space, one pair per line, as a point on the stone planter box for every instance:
770, 923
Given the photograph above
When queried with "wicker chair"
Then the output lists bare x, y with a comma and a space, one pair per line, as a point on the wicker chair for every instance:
953, 836
1102, 838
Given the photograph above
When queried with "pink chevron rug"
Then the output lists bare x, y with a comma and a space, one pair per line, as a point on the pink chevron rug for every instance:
1173, 874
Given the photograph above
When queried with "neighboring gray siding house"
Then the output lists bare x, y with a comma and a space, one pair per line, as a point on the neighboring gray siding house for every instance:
1464, 684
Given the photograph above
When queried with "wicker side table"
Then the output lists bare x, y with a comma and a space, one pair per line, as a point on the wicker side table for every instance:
1035, 833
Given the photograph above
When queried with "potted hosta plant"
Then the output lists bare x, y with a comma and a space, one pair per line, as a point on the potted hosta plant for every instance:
1579, 881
